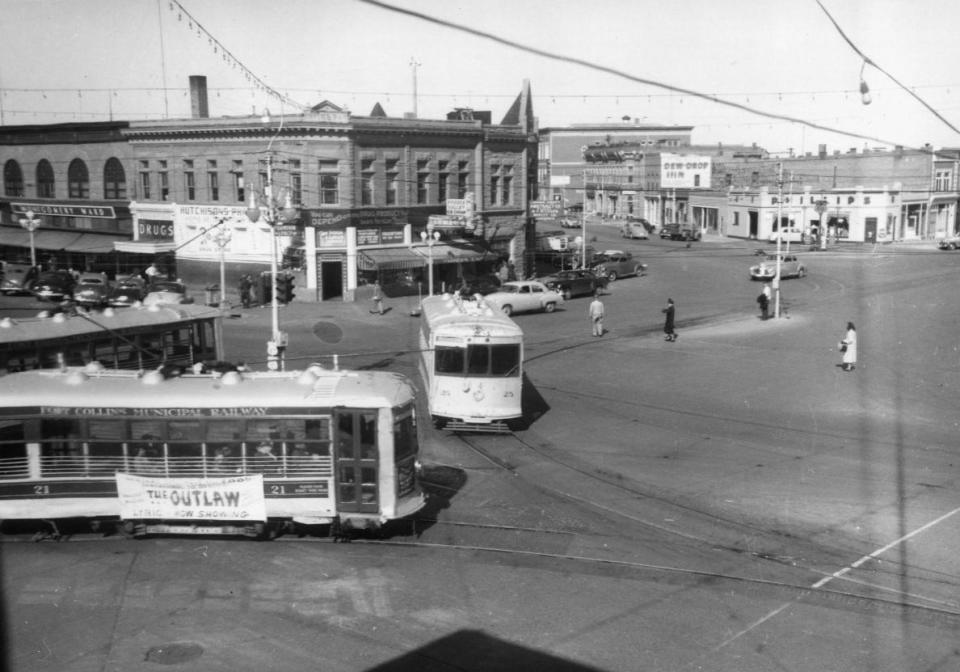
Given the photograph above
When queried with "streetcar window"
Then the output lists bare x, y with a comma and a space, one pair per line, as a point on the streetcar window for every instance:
61, 452
13, 449
103, 352
348, 477
184, 449
448, 360
368, 435
505, 360
105, 447
368, 485
345, 447
478, 359
404, 438
224, 448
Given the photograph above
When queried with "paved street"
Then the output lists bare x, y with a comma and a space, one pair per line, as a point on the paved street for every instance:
731, 501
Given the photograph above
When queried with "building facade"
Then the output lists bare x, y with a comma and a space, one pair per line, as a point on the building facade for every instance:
342, 201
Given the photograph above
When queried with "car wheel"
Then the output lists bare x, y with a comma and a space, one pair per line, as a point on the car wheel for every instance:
507, 309
801, 272
550, 307
952, 246
611, 276
567, 294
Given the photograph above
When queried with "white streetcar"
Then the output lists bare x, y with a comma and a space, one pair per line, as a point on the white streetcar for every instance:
472, 364
238, 453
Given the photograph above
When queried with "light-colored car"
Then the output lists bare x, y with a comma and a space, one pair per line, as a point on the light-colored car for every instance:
166, 291
635, 228
788, 234
519, 296
949, 243
613, 264
92, 290
790, 267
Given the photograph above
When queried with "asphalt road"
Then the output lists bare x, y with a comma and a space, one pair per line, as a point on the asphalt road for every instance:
731, 502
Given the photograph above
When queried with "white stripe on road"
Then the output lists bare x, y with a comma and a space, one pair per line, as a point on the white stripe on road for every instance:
825, 580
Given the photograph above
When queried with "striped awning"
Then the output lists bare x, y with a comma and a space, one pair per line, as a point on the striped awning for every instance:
389, 258
449, 253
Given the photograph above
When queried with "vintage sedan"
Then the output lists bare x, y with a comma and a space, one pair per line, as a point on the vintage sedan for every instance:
126, 292
788, 234
613, 264
521, 296
18, 278
166, 291
949, 243
53, 286
92, 290
575, 282
790, 267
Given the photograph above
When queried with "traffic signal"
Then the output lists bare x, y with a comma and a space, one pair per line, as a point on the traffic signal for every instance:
285, 288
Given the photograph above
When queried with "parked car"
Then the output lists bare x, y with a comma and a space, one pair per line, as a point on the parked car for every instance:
790, 267
18, 278
53, 285
575, 282
518, 296
166, 291
636, 228
680, 232
480, 284
788, 234
949, 243
613, 264
92, 290
126, 292
571, 223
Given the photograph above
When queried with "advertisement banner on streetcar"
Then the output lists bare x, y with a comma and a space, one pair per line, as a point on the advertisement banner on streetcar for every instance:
231, 498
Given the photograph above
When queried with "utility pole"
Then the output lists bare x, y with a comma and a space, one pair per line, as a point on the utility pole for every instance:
776, 280
414, 64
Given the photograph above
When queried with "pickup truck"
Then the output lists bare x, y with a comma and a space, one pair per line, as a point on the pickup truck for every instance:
680, 232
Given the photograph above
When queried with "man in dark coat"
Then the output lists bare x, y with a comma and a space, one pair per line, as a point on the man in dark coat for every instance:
246, 284
669, 311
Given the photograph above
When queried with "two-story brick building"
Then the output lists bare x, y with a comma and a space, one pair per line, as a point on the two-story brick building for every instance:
344, 198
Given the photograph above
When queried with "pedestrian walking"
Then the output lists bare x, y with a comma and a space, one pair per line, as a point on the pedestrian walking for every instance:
596, 315
764, 300
848, 346
668, 330
246, 285
377, 299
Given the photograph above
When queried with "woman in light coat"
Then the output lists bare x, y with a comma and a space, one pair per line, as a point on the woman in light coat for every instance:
849, 348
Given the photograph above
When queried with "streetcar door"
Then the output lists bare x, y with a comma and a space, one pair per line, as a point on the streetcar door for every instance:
357, 460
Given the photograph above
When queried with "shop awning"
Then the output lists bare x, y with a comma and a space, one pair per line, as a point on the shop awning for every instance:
72, 241
389, 257
446, 253
144, 247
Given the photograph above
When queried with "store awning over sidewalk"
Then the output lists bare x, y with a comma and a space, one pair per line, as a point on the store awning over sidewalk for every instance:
70, 241
389, 258
447, 253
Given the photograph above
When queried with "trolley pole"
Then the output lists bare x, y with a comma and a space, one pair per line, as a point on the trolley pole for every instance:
776, 280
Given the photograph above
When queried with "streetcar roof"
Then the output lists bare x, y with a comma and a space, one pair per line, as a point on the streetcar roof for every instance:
85, 387
453, 315
21, 330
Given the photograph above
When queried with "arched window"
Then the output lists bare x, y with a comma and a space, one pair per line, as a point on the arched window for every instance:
46, 188
12, 179
114, 180
78, 180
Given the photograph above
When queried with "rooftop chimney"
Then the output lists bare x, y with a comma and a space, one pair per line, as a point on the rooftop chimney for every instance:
198, 97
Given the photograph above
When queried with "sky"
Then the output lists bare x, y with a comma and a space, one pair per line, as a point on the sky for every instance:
598, 62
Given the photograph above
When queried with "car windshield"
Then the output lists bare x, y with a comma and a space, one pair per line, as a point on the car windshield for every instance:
166, 287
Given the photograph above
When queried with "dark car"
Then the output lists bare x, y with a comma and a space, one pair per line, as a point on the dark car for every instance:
575, 282
92, 290
53, 285
480, 284
126, 292
680, 232
613, 264
18, 278
166, 291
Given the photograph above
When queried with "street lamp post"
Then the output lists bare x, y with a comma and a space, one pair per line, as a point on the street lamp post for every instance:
30, 223
273, 215
430, 237
222, 239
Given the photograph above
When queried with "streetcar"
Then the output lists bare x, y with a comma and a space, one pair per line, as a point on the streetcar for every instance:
129, 338
471, 361
237, 453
